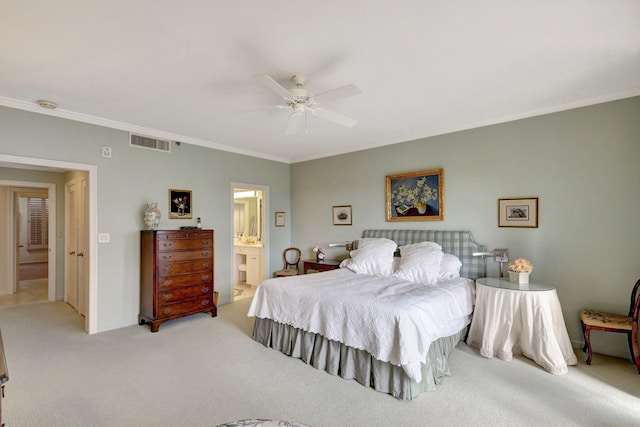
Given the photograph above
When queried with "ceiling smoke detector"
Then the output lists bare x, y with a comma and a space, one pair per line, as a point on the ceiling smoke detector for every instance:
50, 105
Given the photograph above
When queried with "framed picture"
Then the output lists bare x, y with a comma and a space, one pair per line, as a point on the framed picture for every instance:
280, 219
180, 204
521, 212
416, 196
342, 215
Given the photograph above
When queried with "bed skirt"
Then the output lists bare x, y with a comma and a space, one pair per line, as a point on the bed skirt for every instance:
349, 363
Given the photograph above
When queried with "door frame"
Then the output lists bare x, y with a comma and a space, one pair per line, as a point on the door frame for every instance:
16, 188
91, 319
265, 229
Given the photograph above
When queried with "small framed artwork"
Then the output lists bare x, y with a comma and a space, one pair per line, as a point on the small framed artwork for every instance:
522, 212
280, 219
180, 204
342, 215
416, 196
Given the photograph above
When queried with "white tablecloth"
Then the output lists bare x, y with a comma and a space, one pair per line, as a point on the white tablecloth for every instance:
509, 321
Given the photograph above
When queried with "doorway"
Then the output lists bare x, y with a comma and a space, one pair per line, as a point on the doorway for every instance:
30, 245
10, 161
250, 241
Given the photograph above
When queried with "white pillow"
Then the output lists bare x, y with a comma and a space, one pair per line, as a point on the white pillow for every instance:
449, 267
420, 262
373, 256
346, 263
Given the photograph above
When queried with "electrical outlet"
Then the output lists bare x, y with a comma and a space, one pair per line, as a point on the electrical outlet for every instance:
103, 237
106, 151
502, 255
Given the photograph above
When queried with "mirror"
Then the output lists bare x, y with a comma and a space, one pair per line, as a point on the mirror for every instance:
247, 208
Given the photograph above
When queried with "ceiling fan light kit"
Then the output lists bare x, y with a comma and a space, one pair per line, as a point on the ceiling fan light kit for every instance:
301, 100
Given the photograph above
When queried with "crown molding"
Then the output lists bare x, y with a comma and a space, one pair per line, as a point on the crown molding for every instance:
112, 124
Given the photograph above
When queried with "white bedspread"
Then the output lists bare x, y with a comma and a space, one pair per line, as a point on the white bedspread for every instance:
393, 320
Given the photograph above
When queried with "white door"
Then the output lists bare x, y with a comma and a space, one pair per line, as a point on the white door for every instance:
71, 245
83, 246
16, 239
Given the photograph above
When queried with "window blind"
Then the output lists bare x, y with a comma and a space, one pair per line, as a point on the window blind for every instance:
38, 223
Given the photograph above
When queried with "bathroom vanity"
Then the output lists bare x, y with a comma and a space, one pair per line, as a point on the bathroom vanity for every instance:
248, 263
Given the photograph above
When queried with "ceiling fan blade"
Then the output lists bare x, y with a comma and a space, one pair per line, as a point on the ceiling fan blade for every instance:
293, 124
341, 92
274, 86
266, 107
335, 117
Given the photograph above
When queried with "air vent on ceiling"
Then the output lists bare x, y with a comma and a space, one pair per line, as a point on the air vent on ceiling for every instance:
150, 143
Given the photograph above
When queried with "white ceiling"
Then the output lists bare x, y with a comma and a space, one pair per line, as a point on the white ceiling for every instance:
186, 70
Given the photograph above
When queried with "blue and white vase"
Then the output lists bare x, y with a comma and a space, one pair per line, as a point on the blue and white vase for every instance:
151, 216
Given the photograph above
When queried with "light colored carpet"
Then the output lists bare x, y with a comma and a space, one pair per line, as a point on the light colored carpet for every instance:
199, 371
261, 423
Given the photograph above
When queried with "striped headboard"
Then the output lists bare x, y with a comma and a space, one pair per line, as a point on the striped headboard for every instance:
458, 243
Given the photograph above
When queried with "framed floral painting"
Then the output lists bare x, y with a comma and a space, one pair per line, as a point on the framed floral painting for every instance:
180, 204
415, 196
522, 212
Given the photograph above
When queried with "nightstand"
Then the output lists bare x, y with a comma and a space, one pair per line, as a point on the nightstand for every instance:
310, 266
523, 319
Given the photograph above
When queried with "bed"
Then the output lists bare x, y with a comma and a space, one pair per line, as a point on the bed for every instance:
385, 331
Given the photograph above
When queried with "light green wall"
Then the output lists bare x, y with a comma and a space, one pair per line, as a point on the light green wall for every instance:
135, 176
582, 164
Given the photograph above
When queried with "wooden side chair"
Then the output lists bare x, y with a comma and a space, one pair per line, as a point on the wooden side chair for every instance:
611, 322
291, 258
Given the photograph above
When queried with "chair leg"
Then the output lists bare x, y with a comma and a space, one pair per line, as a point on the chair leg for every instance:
584, 347
634, 348
587, 343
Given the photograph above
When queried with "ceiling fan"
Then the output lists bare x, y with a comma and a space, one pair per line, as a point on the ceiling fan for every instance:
300, 101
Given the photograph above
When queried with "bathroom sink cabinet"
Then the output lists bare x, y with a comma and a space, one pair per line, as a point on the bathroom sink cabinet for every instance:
249, 262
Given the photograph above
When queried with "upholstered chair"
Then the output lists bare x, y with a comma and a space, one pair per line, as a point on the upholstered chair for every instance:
291, 258
611, 322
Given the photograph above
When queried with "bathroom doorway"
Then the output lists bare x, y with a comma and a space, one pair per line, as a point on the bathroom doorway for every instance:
250, 248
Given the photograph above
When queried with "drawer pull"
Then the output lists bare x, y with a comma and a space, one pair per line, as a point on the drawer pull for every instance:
168, 282
205, 243
167, 256
204, 277
167, 297
205, 290
204, 302
167, 269
205, 265
206, 253
167, 310
167, 244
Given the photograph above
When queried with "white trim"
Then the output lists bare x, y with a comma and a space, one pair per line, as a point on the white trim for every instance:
91, 320
475, 125
85, 118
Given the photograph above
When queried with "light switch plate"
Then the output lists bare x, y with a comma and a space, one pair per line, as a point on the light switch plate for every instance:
103, 237
106, 151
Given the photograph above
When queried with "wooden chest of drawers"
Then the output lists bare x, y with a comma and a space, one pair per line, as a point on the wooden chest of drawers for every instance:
176, 275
